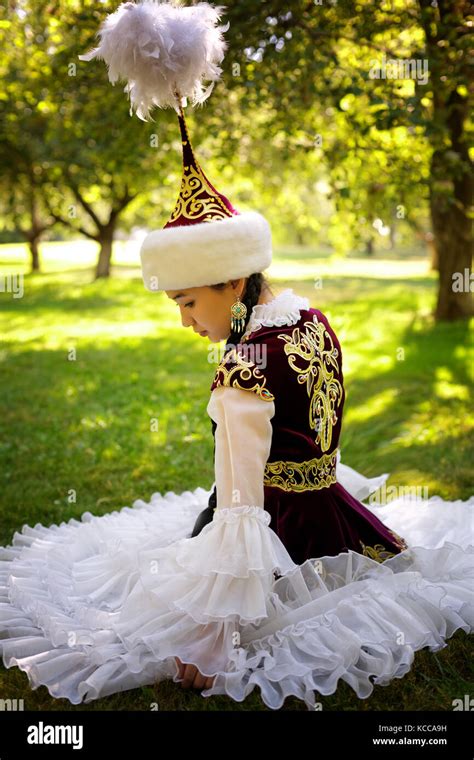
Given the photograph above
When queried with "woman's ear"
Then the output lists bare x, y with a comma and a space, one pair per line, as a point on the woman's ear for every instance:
239, 284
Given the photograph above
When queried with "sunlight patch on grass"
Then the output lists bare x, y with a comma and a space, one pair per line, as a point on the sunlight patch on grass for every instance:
386, 269
373, 407
429, 424
62, 255
445, 387
93, 423
65, 332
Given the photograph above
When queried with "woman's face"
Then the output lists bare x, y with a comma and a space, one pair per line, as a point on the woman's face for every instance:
206, 309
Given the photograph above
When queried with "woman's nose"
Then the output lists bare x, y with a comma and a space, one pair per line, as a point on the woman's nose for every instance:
186, 320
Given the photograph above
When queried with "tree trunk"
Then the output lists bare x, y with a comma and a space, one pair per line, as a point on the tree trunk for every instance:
451, 228
37, 228
393, 234
432, 250
106, 239
450, 199
35, 261
451, 170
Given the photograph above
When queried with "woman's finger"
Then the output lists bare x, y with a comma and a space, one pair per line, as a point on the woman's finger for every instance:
192, 678
180, 667
188, 676
199, 680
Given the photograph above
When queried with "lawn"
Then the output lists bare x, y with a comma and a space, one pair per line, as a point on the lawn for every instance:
86, 365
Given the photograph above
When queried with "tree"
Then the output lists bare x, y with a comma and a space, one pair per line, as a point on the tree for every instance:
311, 57
22, 207
305, 102
447, 48
61, 117
22, 138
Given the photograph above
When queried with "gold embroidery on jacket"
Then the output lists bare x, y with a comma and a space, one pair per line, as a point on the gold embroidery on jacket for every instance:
323, 388
302, 476
379, 553
243, 372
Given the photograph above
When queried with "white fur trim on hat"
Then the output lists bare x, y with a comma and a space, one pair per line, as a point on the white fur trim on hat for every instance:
206, 253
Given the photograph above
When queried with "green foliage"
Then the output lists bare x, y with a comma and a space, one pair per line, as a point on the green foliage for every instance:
296, 111
309, 125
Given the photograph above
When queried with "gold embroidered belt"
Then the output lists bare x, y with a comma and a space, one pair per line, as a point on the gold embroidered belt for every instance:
310, 475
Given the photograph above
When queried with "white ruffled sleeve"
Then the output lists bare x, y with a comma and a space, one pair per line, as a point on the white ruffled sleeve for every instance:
235, 556
200, 591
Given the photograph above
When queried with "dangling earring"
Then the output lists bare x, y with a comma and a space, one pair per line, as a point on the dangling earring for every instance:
238, 311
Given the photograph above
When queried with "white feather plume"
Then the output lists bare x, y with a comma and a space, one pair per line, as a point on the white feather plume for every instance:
160, 48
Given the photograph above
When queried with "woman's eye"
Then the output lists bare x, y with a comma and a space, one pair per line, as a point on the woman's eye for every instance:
191, 303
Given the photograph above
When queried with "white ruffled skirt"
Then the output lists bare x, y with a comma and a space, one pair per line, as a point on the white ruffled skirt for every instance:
102, 605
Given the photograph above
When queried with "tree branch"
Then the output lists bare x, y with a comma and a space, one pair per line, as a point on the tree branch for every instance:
85, 205
67, 223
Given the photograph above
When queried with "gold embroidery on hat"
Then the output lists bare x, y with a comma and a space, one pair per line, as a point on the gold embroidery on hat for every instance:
241, 374
322, 386
193, 183
310, 475
190, 206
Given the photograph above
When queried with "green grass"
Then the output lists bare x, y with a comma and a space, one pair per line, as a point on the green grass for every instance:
86, 365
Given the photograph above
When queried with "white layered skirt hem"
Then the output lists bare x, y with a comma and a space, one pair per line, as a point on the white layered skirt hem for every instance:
102, 605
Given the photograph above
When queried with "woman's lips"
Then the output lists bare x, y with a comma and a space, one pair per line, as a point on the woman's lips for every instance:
203, 333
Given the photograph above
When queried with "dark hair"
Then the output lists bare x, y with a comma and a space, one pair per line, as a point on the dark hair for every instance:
253, 288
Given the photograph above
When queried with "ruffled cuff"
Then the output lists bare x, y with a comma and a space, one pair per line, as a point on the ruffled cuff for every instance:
193, 597
225, 572
237, 542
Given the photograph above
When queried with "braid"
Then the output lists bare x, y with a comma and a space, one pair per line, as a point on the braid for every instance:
250, 299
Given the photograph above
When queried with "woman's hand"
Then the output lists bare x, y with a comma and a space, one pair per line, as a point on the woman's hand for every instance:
192, 678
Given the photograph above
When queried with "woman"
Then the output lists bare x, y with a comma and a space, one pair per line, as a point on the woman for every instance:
279, 577
292, 585
308, 526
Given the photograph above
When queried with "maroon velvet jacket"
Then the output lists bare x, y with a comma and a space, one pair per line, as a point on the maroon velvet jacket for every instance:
299, 367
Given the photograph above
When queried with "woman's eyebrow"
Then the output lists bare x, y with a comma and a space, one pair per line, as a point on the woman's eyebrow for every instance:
180, 295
